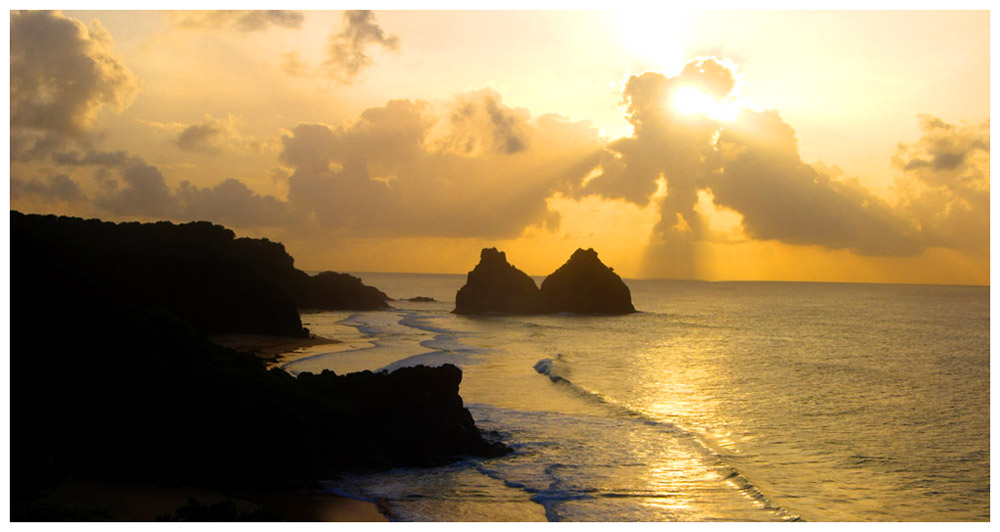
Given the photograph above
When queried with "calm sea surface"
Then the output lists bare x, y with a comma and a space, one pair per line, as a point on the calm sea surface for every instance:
725, 401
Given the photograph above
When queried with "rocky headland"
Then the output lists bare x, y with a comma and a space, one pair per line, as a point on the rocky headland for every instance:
115, 380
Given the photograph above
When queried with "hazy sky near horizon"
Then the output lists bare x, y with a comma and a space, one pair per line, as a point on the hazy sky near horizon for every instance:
825, 146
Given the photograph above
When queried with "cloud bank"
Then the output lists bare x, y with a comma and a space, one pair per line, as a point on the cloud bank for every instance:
475, 167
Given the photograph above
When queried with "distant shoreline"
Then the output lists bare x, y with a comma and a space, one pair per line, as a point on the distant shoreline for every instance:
267, 347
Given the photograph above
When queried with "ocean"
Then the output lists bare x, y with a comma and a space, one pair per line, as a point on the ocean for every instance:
717, 401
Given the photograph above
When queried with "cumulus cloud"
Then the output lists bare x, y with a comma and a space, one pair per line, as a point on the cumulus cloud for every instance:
752, 166
230, 202
946, 183
760, 175
241, 20
62, 74
385, 174
479, 123
139, 189
346, 53
145, 192
210, 135
59, 187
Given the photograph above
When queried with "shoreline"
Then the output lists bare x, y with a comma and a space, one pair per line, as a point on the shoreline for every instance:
271, 349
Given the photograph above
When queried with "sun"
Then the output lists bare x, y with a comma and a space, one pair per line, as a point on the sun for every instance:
690, 100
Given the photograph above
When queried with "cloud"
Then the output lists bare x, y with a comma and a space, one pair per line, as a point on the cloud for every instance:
211, 135
346, 52
752, 166
761, 176
946, 183
91, 158
58, 187
245, 20
479, 123
62, 74
293, 65
386, 174
141, 190
230, 202
145, 192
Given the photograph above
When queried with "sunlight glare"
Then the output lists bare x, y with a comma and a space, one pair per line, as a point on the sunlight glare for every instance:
656, 35
692, 101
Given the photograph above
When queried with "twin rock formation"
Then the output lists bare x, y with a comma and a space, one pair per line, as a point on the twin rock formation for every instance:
584, 285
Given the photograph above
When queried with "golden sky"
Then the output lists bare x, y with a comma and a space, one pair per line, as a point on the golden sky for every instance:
810, 145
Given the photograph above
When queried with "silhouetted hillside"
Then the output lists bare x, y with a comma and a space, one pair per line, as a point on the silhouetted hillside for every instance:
198, 271
113, 377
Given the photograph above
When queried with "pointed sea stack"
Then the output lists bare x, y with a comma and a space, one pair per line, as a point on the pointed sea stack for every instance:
497, 287
584, 285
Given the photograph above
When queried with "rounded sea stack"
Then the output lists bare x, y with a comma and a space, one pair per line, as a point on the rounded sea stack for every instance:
584, 285
497, 287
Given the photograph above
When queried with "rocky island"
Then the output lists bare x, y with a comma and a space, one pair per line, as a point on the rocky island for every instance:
583, 285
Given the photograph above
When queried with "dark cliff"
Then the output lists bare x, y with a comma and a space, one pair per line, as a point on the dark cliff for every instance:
198, 271
497, 287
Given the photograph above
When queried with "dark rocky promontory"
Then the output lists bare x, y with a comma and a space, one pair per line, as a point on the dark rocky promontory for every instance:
584, 285
199, 272
497, 287
337, 291
116, 380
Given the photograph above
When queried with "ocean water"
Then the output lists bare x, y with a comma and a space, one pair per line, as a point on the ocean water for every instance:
728, 401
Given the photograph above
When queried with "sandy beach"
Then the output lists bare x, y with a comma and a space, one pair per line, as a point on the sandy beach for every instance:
270, 348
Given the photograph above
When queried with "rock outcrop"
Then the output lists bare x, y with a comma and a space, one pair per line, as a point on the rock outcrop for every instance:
337, 291
497, 287
584, 285
199, 271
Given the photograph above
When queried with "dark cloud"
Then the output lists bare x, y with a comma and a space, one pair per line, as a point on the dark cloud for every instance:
62, 74
242, 20
231, 203
145, 193
201, 137
91, 158
395, 171
59, 187
347, 51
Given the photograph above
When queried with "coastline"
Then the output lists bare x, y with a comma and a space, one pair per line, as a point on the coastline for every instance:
272, 349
